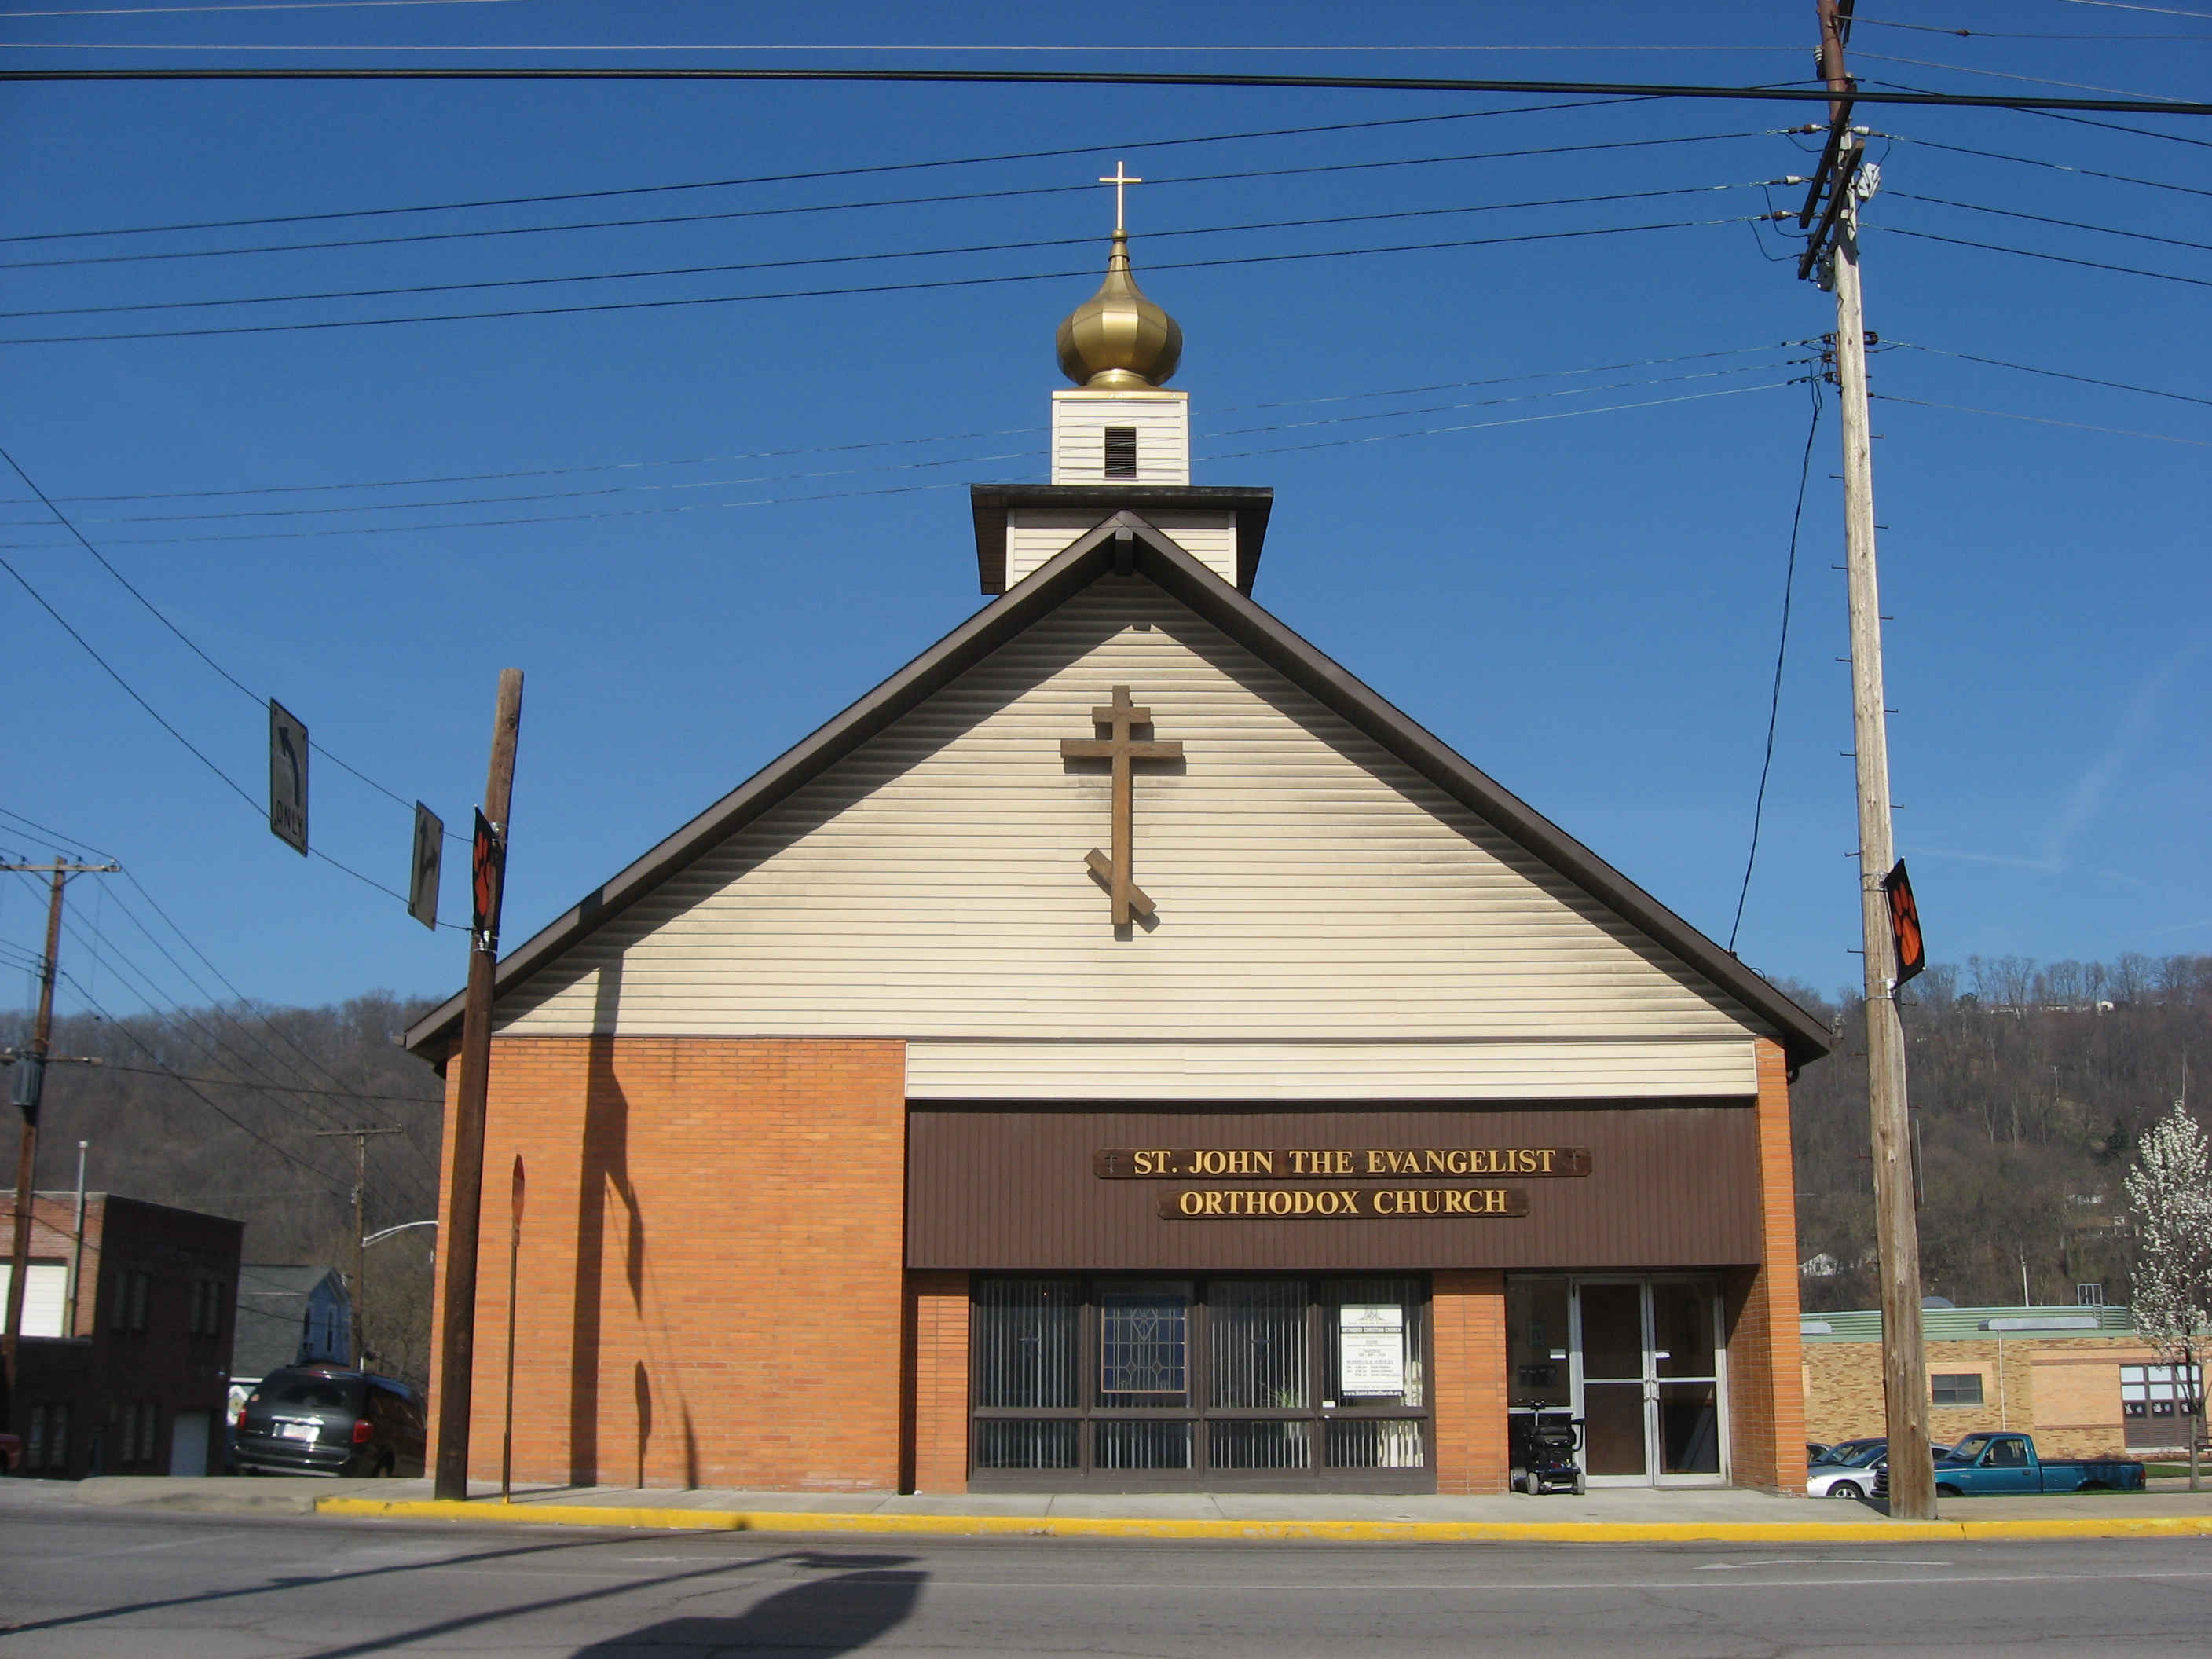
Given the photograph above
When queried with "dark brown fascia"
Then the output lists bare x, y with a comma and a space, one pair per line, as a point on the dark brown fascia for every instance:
1126, 540
991, 503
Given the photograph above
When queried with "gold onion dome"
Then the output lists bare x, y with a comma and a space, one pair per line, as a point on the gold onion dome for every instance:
1117, 338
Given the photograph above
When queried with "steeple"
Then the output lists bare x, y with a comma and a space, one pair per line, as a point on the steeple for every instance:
1120, 425
1120, 441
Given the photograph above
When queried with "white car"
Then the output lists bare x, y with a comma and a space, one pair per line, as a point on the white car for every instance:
1852, 1474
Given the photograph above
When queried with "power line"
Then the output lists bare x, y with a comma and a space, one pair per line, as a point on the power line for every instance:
1998, 75
2042, 420
837, 207
2055, 166
1482, 426
2056, 374
1780, 656
800, 178
132, 1038
865, 258
236, 1083
831, 293
2030, 254
2045, 219
1134, 78
1992, 34
190, 644
197, 753
2114, 126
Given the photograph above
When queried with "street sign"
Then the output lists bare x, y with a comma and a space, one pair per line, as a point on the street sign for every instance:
429, 857
1904, 923
487, 873
288, 778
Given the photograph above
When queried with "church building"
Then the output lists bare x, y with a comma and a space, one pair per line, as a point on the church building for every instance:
1123, 1053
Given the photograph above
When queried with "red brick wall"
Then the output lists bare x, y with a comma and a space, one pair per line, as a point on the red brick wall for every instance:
938, 1390
1766, 1396
710, 1291
1467, 1314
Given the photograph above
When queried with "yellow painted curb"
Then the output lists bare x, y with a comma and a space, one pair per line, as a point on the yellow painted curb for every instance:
1342, 1532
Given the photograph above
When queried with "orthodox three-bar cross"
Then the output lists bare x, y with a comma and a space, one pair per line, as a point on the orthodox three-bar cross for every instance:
1124, 749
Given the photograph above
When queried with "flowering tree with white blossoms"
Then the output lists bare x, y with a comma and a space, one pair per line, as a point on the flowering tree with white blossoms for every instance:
2170, 1190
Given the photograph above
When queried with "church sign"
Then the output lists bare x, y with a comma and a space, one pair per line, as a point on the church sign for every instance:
1334, 1163
1341, 1203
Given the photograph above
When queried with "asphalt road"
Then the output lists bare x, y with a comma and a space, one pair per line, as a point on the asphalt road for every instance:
78, 1583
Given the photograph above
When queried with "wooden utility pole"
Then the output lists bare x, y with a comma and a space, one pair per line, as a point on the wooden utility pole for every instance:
465, 1200
28, 1091
359, 1300
1843, 181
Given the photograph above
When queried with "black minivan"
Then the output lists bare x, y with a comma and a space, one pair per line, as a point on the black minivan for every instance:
322, 1419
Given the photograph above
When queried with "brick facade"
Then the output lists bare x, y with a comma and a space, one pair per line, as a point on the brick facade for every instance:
1766, 1401
147, 1344
710, 1291
2065, 1391
1467, 1313
938, 1391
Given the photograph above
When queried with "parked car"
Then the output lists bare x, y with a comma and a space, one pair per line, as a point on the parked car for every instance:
2000, 1465
322, 1419
1859, 1475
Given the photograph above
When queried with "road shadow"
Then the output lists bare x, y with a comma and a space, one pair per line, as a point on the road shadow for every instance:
825, 1616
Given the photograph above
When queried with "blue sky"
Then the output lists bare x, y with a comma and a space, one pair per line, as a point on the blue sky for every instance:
1585, 604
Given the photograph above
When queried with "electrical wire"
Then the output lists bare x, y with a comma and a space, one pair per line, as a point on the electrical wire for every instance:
902, 201
830, 293
866, 259
236, 1083
2042, 420
2056, 374
1991, 34
796, 178
341, 1191
197, 754
190, 644
2043, 219
1780, 656
2114, 126
1482, 426
2030, 254
1999, 74
2055, 167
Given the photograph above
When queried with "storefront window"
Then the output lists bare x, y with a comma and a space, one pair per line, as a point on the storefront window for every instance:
1162, 1381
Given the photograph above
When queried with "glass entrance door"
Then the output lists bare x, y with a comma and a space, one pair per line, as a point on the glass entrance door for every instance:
1647, 1381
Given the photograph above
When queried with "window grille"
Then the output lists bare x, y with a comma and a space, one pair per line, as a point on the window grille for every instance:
1120, 452
2090, 1296
1958, 1389
47, 1444
1158, 1383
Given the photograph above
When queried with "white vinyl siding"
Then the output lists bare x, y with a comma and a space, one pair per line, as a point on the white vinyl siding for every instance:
931, 885
938, 1069
1035, 534
1161, 419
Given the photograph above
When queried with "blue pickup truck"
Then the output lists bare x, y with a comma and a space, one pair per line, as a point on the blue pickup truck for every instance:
2005, 1465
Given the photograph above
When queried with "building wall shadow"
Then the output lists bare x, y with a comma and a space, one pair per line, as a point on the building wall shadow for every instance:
825, 1616
603, 1165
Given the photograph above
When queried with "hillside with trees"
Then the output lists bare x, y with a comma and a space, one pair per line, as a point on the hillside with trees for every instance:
224, 1110
2030, 1085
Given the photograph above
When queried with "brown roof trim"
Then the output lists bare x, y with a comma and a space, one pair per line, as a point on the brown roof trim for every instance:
1251, 507
1127, 538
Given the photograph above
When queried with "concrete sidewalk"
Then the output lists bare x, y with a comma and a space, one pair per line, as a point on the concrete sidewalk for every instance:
1639, 1515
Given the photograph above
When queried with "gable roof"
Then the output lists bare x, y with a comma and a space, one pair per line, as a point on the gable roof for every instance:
1126, 541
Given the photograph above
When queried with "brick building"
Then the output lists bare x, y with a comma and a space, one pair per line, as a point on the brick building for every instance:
1122, 1052
126, 1358
2079, 1379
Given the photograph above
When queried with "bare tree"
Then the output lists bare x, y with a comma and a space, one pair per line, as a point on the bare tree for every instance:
2170, 1190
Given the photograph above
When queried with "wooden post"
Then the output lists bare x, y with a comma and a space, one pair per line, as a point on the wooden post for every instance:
1897, 1230
27, 1144
457, 1354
